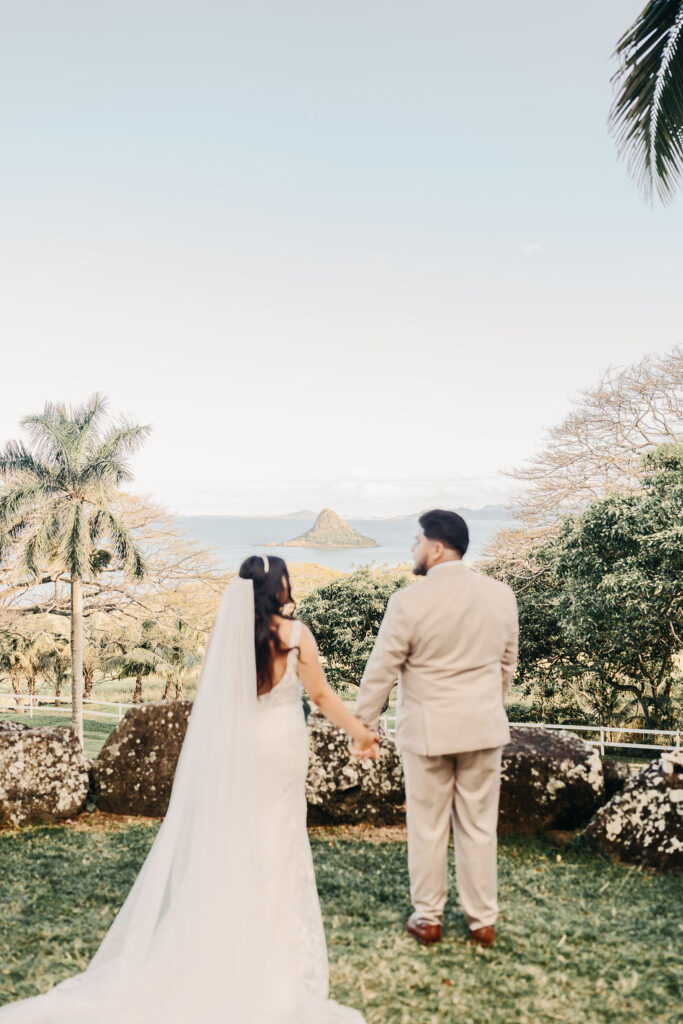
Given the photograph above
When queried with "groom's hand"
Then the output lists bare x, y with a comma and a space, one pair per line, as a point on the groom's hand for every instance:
370, 752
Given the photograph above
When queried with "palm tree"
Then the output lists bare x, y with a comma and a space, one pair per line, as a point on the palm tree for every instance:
145, 659
647, 114
36, 648
13, 660
179, 645
101, 641
55, 666
56, 506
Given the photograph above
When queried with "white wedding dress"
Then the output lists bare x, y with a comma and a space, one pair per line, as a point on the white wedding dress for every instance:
223, 923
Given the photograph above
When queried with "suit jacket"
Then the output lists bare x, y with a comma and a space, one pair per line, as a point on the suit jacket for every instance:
451, 642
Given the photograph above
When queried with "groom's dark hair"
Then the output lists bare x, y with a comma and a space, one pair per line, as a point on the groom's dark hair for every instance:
448, 527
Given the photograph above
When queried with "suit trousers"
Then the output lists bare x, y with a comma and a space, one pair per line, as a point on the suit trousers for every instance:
462, 791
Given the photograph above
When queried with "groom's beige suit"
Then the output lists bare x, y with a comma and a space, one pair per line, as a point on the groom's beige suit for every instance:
451, 642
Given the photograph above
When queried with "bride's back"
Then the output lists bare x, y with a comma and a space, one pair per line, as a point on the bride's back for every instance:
286, 630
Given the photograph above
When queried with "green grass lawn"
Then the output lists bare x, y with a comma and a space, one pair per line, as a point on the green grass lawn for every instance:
581, 940
95, 730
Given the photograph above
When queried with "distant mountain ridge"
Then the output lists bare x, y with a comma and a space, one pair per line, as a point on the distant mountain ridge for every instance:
487, 512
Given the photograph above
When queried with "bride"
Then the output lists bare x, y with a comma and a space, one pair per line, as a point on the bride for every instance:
223, 923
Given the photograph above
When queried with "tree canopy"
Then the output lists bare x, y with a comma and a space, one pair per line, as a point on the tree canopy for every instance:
601, 605
344, 617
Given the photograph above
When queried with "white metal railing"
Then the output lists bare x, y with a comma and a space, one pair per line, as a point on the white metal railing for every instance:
32, 701
604, 731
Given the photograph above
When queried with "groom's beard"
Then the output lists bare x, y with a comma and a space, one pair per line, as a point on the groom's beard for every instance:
420, 569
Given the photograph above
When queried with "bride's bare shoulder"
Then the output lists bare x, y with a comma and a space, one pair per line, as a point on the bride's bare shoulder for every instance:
285, 627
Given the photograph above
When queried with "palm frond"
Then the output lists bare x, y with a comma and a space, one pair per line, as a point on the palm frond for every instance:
75, 547
646, 117
106, 462
89, 414
52, 435
16, 502
104, 524
17, 460
13, 537
136, 661
86, 419
43, 544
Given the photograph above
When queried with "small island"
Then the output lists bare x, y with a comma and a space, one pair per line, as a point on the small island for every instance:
331, 531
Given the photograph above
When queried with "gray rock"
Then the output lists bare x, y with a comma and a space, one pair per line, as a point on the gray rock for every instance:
617, 774
643, 824
43, 775
340, 789
551, 779
13, 727
136, 766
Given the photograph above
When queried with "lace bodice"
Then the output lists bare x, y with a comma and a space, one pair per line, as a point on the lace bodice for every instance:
288, 690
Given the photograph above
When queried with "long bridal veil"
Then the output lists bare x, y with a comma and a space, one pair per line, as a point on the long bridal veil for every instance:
194, 940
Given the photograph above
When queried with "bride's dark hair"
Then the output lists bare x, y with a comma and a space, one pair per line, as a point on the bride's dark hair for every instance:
272, 591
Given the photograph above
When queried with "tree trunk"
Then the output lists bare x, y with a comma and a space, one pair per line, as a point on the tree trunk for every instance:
179, 688
32, 685
168, 689
87, 692
16, 687
77, 656
58, 690
137, 694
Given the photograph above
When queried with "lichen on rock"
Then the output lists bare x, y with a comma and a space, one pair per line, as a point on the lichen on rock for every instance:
643, 823
43, 775
342, 790
135, 769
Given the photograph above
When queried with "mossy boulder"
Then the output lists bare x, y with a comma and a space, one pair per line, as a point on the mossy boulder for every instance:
341, 789
43, 775
643, 824
551, 779
135, 769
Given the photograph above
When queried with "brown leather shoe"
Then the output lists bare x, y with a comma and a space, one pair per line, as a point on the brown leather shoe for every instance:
425, 932
483, 936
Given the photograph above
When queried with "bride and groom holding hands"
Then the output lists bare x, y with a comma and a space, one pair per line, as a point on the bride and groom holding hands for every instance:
223, 923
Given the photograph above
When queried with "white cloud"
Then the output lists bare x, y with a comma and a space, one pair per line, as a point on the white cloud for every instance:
530, 247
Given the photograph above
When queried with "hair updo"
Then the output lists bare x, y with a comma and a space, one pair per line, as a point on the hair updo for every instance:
272, 591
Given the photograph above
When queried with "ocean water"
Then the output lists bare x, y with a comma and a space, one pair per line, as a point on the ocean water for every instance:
233, 538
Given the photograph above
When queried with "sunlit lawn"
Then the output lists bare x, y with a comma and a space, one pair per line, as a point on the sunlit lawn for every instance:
581, 940
95, 730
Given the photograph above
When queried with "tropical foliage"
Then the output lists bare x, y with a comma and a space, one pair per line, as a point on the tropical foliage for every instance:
601, 606
598, 446
647, 114
56, 506
344, 617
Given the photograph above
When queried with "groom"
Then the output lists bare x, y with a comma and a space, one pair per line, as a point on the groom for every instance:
451, 640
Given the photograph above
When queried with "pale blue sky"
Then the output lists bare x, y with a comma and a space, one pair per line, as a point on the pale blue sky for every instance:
355, 254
